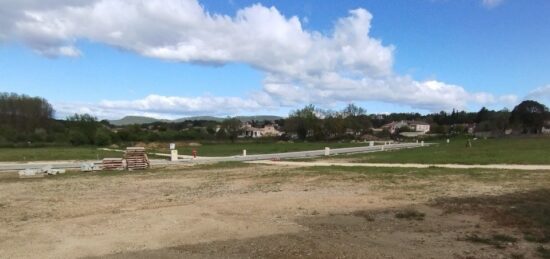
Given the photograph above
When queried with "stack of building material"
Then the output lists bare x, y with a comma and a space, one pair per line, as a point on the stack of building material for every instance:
136, 158
113, 164
89, 167
31, 173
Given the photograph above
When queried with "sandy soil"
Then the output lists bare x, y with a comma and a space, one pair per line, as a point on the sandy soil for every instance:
404, 165
251, 211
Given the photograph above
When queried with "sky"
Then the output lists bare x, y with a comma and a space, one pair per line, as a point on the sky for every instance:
177, 58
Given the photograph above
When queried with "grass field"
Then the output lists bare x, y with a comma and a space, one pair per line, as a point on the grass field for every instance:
54, 153
528, 150
209, 149
231, 149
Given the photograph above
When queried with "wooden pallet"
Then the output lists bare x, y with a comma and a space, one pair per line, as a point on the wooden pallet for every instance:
112, 164
136, 158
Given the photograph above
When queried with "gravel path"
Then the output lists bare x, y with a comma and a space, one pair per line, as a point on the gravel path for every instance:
407, 165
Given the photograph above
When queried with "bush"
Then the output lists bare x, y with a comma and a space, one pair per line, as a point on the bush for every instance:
102, 138
77, 138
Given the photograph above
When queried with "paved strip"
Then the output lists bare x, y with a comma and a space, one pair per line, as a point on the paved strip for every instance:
276, 156
406, 165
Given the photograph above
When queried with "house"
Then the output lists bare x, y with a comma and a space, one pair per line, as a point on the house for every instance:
394, 126
546, 128
419, 126
416, 126
269, 130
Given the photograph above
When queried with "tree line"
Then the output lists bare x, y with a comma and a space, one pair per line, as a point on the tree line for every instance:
26, 120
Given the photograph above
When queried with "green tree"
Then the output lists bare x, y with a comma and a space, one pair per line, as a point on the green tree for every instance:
232, 128
85, 124
529, 116
353, 110
102, 138
24, 114
356, 119
78, 138
304, 122
483, 115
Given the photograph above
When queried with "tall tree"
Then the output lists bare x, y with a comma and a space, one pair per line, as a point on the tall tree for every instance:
483, 115
232, 128
304, 122
86, 125
23, 113
529, 116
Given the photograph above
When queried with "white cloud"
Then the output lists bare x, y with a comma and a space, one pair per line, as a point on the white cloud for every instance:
301, 66
540, 93
166, 106
491, 3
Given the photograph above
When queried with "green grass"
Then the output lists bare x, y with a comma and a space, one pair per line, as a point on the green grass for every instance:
54, 153
208, 149
231, 149
527, 150
396, 176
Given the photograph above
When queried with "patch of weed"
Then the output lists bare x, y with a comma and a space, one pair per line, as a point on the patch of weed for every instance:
498, 240
222, 165
410, 214
364, 214
543, 252
537, 236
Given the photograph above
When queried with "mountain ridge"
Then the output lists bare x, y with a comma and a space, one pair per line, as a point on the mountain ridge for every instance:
131, 119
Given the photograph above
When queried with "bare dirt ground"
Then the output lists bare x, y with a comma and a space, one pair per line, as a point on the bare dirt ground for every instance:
251, 211
405, 165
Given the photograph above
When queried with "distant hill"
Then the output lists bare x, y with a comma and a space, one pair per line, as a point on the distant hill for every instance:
242, 118
199, 118
259, 118
129, 120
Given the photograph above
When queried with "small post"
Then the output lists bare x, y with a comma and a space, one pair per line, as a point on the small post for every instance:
371, 143
448, 141
174, 155
383, 147
327, 151
244, 152
422, 143
194, 153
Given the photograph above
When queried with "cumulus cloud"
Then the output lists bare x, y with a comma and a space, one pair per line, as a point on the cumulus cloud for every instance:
301, 66
491, 3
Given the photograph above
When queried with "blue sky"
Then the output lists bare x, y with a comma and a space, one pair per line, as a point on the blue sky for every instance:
177, 59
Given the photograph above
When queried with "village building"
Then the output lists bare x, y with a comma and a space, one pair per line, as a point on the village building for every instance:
419, 126
268, 130
416, 126
546, 128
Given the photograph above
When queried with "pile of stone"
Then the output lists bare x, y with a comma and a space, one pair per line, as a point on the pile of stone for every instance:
136, 158
112, 164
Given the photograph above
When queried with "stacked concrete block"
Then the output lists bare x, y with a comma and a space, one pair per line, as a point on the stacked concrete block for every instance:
31, 173
89, 167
